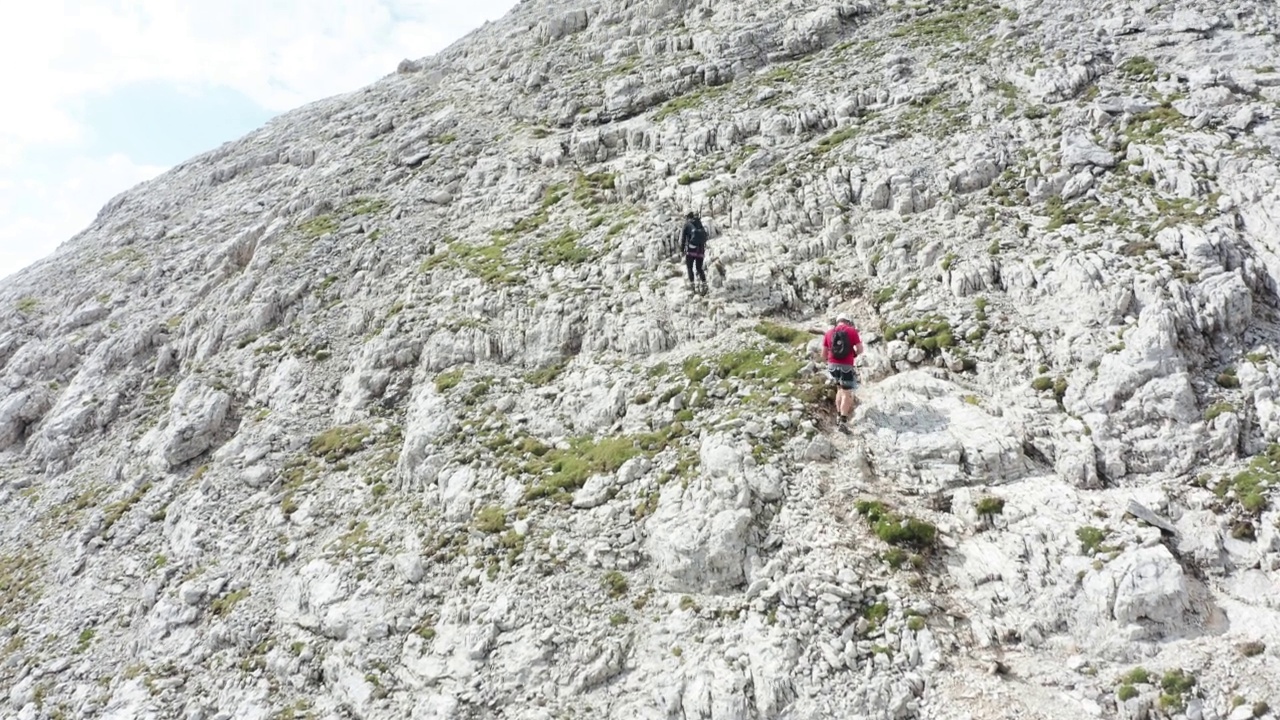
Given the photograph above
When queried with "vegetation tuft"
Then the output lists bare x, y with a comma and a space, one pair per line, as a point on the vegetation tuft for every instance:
894, 529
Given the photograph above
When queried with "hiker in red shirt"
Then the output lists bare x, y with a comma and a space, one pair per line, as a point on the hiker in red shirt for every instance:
841, 347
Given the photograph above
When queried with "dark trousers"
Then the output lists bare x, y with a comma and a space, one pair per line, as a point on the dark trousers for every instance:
692, 261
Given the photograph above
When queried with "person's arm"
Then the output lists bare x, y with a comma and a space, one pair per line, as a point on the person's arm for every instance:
857, 350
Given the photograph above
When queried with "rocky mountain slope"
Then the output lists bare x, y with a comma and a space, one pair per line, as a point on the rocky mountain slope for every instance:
398, 407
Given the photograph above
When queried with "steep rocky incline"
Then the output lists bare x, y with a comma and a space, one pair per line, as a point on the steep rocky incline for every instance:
398, 407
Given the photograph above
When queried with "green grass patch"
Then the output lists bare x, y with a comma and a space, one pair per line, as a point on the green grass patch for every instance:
1139, 68
488, 262
320, 225
491, 520
689, 101
895, 529
223, 605
339, 442
588, 190
564, 250
116, 510
1251, 486
695, 368
781, 333
931, 334
956, 26
561, 471
546, 375
85, 639
367, 206
448, 380
834, 140
760, 364
1151, 125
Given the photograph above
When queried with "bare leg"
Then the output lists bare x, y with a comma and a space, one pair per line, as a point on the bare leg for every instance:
844, 402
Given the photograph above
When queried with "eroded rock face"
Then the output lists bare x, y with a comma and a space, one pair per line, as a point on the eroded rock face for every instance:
398, 407
196, 417
698, 535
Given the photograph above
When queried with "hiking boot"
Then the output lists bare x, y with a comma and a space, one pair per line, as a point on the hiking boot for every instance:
842, 424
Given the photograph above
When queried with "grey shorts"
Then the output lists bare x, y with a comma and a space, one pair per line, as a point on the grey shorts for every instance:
846, 376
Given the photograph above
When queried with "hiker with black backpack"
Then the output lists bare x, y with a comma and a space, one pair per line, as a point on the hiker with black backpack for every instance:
693, 241
841, 346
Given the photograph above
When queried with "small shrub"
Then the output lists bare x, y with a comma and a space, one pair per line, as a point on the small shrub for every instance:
614, 583
448, 380
915, 623
895, 530
895, 558
1136, 676
910, 532
617, 619
1216, 409
491, 520
989, 505
1175, 686
876, 613
1177, 682
1227, 379
1252, 648
1126, 692
1090, 539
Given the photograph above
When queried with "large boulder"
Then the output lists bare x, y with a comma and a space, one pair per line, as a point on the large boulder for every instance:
698, 534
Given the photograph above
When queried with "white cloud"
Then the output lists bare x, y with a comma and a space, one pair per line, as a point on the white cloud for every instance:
36, 216
279, 53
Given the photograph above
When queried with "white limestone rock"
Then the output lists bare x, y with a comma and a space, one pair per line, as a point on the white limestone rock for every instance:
697, 536
193, 425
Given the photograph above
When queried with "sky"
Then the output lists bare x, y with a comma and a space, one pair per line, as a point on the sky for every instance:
103, 94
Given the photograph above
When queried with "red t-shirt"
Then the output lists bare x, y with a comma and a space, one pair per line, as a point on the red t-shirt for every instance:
854, 341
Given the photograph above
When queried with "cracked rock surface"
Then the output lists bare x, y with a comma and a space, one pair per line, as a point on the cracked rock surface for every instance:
398, 407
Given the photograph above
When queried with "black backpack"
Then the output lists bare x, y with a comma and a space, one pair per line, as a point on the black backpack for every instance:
697, 237
841, 348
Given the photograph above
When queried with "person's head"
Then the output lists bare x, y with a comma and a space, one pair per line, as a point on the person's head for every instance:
691, 215
844, 319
